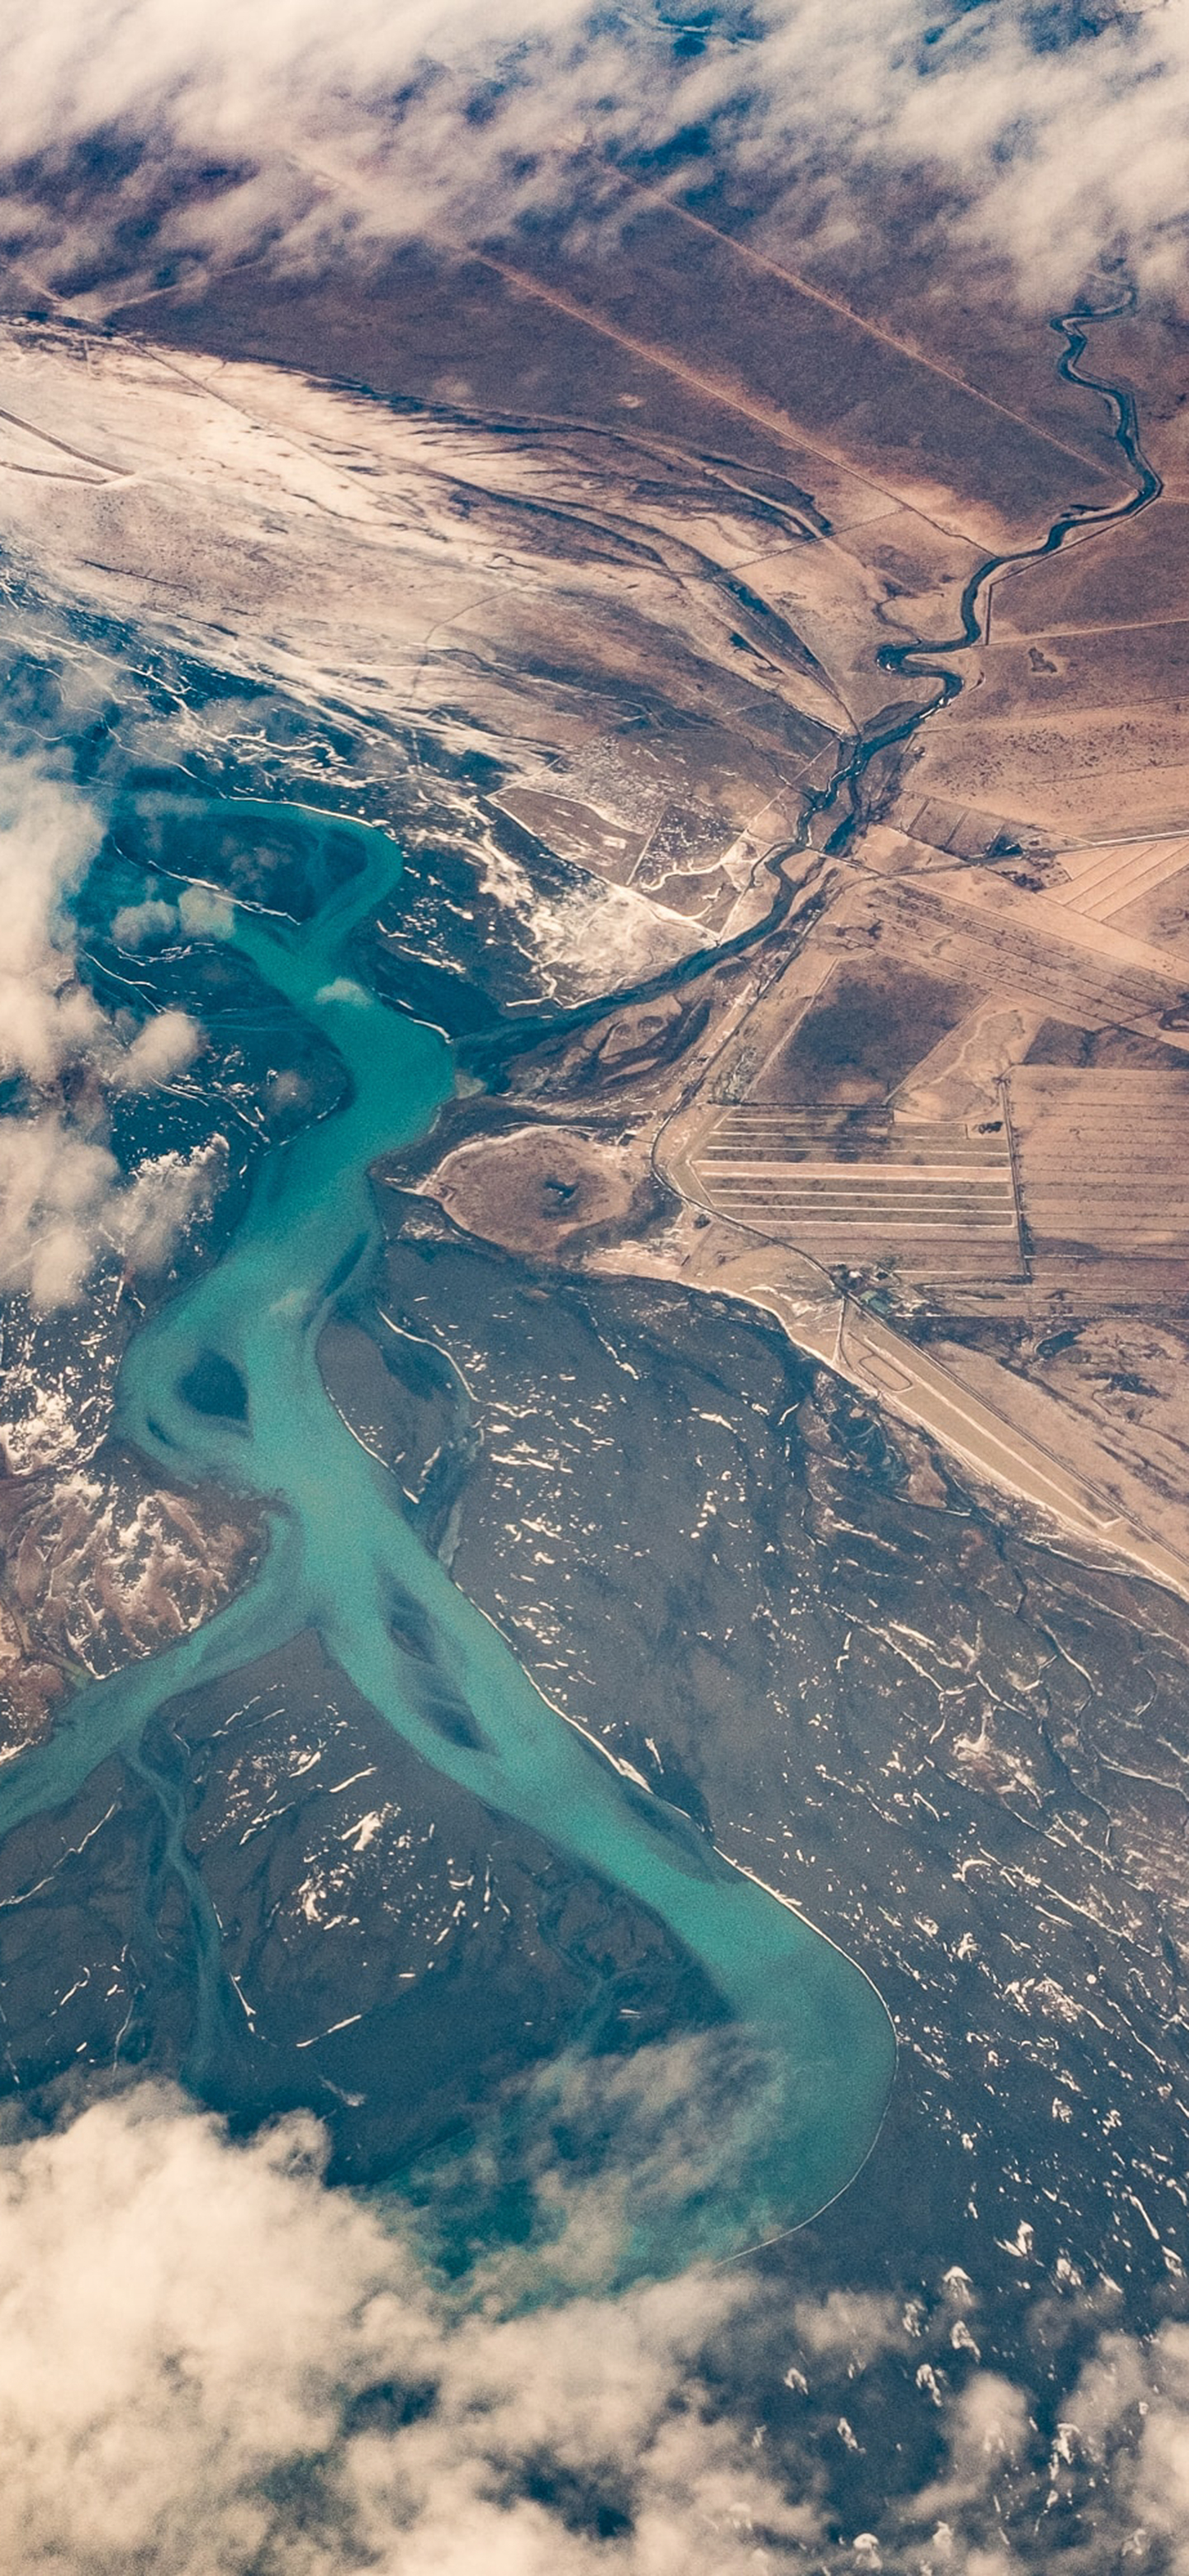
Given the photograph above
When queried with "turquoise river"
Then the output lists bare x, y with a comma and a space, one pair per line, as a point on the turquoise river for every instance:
344, 1561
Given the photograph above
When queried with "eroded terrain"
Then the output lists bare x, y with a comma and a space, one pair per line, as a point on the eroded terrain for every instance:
782, 1335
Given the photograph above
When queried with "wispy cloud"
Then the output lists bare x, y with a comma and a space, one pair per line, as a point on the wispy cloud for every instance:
142, 141
64, 1200
209, 2360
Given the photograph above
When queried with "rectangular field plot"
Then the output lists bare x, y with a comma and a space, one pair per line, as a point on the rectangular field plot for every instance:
1014, 943
1105, 882
1102, 1163
859, 1188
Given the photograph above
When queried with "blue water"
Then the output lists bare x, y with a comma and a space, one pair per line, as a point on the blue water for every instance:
344, 1562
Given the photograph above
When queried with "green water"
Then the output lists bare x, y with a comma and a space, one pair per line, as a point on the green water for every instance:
344, 1562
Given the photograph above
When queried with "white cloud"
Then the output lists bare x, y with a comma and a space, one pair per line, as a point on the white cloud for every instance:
49, 1023
199, 913
209, 2361
48, 837
63, 1198
142, 925
343, 989
188, 2335
54, 1186
162, 1047
64, 1201
849, 2326
988, 2435
204, 914
341, 128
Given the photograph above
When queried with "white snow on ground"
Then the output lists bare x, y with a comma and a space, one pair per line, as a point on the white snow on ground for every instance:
292, 532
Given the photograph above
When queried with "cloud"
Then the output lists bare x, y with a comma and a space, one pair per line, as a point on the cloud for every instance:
48, 837
64, 1202
851, 2326
197, 914
210, 2361
309, 134
143, 925
988, 2432
163, 1047
50, 1024
63, 1199
343, 989
204, 914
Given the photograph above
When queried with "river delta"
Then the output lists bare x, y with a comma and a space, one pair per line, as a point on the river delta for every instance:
620, 1718
224, 1383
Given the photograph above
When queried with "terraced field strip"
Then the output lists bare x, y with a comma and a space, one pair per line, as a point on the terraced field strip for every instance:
1103, 1158
813, 1172
1014, 945
1104, 881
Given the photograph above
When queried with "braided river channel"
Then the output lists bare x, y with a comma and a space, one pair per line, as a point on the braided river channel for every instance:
223, 1384
814, 2044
